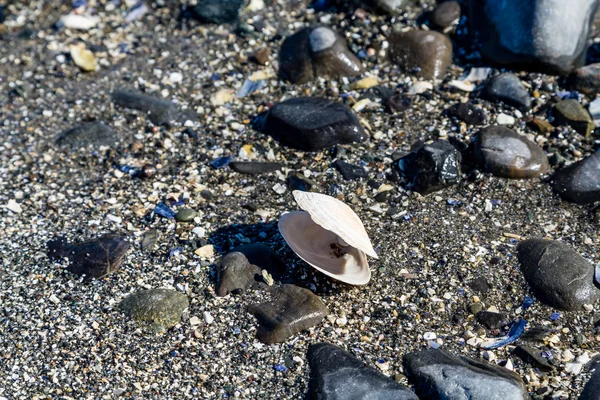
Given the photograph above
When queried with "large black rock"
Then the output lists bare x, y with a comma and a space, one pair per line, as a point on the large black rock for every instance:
430, 167
336, 374
557, 274
437, 374
579, 182
311, 124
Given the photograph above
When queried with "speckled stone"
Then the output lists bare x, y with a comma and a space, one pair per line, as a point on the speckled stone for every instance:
185, 215
505, 153
437, 374
570, 112
316, 52
311, 123
336, 374
93, 258
291, 310
580, 181
427, 54
160, 309
558, 276
94, 134
445, 14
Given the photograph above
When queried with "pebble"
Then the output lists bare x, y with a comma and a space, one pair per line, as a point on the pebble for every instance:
149, 239
160, 309
504, 119
445, 14
508, 89
94, 134
217, 11
468, 113
262, 56
254, 168
533, 356
13, 206
82, 57
160, 112
185, 215
398, 102
336, 374
425, 53
558, 276
311, 124
437, 374
207, 251
316, 52
592, 388
505, 153
580, 181
430, 167
594, 109
586, 79
348, 171
291, 310
535, 34
94, 258
386, 6
570, 112
492, 320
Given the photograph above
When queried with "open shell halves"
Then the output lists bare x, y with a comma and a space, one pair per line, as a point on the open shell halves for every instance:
329, 236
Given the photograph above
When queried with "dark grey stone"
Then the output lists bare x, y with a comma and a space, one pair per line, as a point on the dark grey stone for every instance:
349, 171
93, 258
570, 112
586, 79
217, 11
291, 310
159, 308
438, 375
492, 320
558, 276
336, 374
149, 239
580, 181
546, 35
533, 356
445, 14
160, 112
94, 134
254, 168
427, 54
311, 124
507, 154
591, 391
468, 113
507, 88
430, 167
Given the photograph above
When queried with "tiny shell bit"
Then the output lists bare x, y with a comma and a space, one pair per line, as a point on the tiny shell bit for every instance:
329, 236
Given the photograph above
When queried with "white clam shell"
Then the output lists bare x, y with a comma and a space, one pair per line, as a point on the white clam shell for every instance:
329, 236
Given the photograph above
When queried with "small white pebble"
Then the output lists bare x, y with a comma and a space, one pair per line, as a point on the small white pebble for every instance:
429, 336
13, 206
208, 318
54, 299
504, 119
279, 188
195, 321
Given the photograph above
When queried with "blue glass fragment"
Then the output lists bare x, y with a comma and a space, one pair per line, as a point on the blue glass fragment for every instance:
555, 316
527, 303
249, 87
279, 368
220, 162
164, 211
515, 332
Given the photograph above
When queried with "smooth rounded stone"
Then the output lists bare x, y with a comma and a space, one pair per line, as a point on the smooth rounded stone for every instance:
505, 153
437, 374
507, 88
570, 112
336, 374
349, 172
291, 310
185, 215
586, 79
541, 35
492, 320
591, 390
430, 167
217, 11
161, 309
468, 113
580, 181
533, 356
426, 53
254, 168
558, 276
398, 102
93, 258
316, 52
311, 124
94, 134
445, 14
160, 112
385, 6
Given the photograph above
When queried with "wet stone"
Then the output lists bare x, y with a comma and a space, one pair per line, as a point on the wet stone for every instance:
93, 134
185, 215
558, 276
591, 390
480, 285
160, 112
533, 356
508, 89
430, 167
535, 34
349, 171
437, 374
570, 112
505, 153
492, 320
336, 374
291, 310
160, 309
149, 240
316, 52
93, 258
425, 53
445, 14
586, 79
468, 113
580, 181
217, 11
254, 168
311, 124
540, 125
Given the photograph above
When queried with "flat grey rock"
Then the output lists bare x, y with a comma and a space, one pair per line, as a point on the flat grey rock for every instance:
160, 309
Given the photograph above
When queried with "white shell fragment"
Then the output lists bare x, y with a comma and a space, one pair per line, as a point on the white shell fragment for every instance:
329, 236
